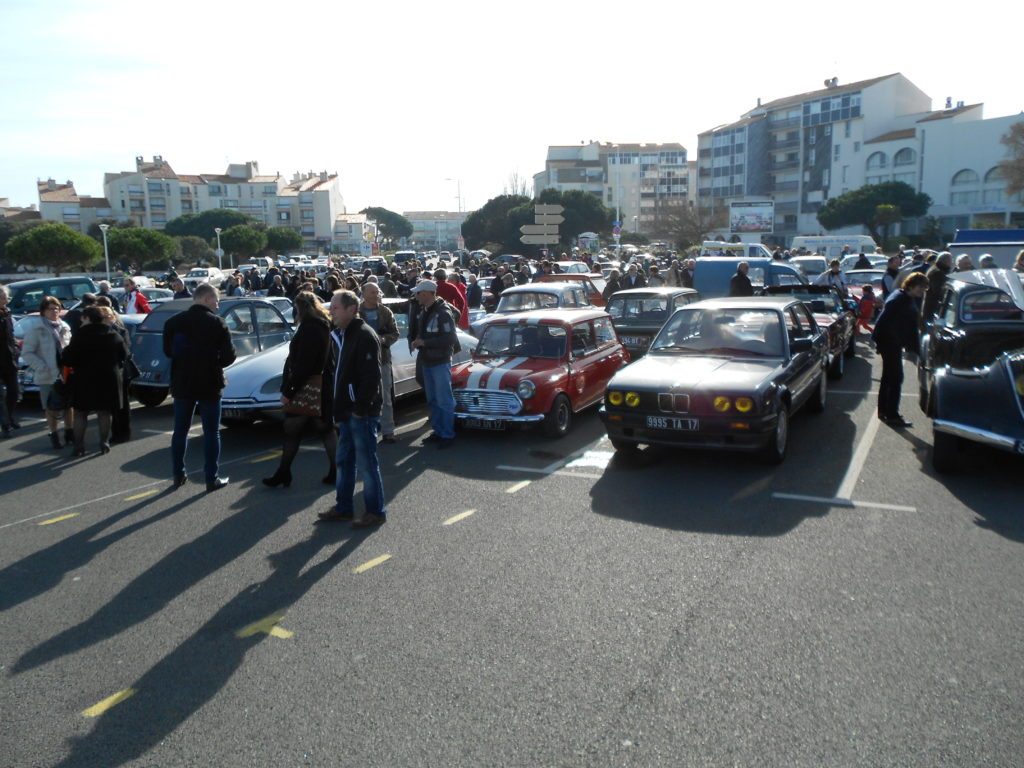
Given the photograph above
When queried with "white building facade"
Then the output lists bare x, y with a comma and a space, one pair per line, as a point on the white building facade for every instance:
440, 230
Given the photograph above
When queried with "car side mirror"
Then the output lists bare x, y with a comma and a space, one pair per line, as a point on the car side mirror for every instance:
796, 346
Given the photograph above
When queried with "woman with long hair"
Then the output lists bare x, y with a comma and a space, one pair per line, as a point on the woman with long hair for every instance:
300, 388
45, 340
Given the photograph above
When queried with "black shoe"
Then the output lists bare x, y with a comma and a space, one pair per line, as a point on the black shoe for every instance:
369, 520
445, 442
104, 448
15, 424
179, 480
433, 437
388, 439
333, 514
898, 422
331, 478
8, 433
216, 484
280, 477
69, 436
78, 452
55, 440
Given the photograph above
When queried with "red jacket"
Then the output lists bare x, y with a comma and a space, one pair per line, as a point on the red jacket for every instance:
141, 304
450, 293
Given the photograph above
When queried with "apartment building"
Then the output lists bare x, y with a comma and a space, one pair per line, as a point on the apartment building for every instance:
13, 213
354, 234
60, 202
633, 179
801, 150
440, 230
311, 204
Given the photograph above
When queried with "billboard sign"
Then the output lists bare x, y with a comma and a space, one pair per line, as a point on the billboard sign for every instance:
752, 217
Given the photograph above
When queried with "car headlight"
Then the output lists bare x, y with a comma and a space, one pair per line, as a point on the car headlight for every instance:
722, 404
526, 389
615, 398
744, 404
632, 399
271, 386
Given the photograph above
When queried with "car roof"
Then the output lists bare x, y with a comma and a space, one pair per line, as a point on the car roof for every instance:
656, 290
789, 290
547, 287
562, 277
745, 302
1005, 280
51, 280
556, 316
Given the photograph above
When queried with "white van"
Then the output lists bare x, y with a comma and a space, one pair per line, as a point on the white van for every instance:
831, 246
735, 250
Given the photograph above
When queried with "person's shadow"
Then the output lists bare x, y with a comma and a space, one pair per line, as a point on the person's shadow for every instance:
192, 674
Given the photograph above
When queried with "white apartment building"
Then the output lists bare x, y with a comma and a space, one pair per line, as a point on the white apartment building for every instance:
310, 204
633, 179
801, 150
354, 234
60, 202
440, 230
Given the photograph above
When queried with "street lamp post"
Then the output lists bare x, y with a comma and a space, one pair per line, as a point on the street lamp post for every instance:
636, 224
458, 183
106, 251
220, 251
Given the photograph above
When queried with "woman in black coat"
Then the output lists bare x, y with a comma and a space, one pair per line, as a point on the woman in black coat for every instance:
96, 354
895, 331
307, 353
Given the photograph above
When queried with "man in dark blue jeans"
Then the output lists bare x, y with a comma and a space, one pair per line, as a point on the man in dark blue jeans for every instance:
352, 400
198, 344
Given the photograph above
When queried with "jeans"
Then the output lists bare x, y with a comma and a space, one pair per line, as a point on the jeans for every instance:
437, 383
357, 445
889, 389
209, 412
387, 409
9, 393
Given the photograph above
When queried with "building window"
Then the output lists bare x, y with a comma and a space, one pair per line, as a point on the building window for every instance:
155, 187
965, 177
835, 152
905, 156
846, 170
846, 130
856, 146
994, 176
284, 216
826, 176
215, 190
964, 198
877, 160
812, 155
307, 215
993, 196
906, 178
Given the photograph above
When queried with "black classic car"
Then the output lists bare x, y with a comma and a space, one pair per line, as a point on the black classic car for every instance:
722, 373
639, 313
971, 368
834, 313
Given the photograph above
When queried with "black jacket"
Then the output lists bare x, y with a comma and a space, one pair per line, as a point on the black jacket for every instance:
114, 303
8, 344
474, 295
740, 285
436, 326
897, 325
96, 354
307, 354
352, 373
198, 343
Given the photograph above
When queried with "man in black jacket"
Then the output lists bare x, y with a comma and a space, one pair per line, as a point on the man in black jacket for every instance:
895, 331
432, 324
740, 284
198, 343
352, 401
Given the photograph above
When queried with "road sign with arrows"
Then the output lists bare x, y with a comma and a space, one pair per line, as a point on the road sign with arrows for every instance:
544, 230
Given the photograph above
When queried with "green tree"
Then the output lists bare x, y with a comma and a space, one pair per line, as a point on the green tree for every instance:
96, 234
391, 226
583, 212
203, 224
283, 239
634, 238
144, 248
1013, 166
489, 224
885, 216
54, 245
195, 250
861, 206
686, 225
243, 241
8, 231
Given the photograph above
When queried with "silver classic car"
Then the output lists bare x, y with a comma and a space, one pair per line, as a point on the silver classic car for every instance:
254, 384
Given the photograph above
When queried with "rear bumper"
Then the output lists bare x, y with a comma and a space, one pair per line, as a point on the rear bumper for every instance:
983, 436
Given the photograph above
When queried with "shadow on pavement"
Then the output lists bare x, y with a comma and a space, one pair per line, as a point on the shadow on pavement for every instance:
184, 680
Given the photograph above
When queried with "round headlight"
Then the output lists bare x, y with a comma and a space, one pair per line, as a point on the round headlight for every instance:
632, 399
722, 404
615, 398
744, 404
526, 389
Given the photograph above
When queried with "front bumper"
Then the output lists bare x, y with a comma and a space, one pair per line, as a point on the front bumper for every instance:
983, 436
714, 432
529, 418
249, 408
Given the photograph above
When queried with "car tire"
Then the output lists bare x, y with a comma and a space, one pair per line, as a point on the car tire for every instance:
945, 448
150, 397
559, 419
820, 397
775, 451
625, 448
838, 366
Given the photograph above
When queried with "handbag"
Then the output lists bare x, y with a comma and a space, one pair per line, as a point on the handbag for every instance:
307, 400
59, 396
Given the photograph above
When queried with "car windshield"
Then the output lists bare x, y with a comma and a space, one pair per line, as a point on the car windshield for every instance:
521, 301
156, 319
741, 332
197, 273
639, 309
503, 339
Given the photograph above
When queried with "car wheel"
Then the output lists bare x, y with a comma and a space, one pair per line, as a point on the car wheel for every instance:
150, 397
851, 348
559, 418
838, 367
624, 448
817, 402
944, 451
775, 451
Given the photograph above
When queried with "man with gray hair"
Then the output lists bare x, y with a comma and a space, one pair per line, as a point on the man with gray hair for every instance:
432, 334
964, 263
105, 291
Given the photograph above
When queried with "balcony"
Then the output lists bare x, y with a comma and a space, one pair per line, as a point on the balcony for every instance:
775, 146
789, 122
780, 165
786, 186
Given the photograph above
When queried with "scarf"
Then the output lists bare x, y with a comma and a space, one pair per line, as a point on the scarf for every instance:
58, 342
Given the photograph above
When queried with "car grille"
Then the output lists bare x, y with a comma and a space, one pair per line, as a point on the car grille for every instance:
673, 403
487, 402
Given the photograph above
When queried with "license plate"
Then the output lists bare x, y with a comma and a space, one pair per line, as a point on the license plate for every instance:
232, 413
634, 341
670, 422
484, 424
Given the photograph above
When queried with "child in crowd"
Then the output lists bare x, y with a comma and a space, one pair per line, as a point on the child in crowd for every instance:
866, 309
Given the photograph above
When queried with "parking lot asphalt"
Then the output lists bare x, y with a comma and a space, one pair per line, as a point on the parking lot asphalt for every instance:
529, 602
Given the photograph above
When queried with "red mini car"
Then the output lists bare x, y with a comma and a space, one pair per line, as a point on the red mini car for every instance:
541, 366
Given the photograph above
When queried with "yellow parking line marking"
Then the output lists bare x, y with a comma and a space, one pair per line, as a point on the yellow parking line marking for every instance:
143, 495
266, 457
518, 486
53, 520
267, 626
371, 564
111, 701
460, 516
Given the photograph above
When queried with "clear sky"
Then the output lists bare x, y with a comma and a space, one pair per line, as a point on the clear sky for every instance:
397, 97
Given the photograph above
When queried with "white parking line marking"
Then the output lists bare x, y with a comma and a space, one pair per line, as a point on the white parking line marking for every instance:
400, 462
598, 459
461, 516
837, 502
860, 456
518, 486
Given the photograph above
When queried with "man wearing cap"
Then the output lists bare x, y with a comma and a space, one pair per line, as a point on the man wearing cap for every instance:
432, 333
